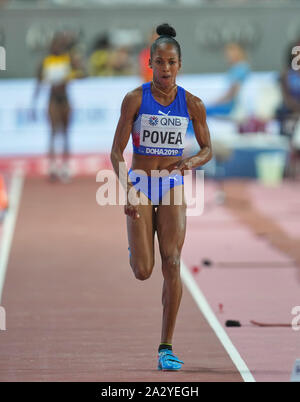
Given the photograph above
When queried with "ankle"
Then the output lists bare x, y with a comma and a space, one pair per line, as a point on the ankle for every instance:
164, 345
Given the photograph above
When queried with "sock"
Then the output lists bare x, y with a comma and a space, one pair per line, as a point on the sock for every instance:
165, 346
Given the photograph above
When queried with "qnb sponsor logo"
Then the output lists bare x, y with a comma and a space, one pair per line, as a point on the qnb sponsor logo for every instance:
296, 320
2, 58
170, 121
165, 121
2, 319
153, 121
296, 59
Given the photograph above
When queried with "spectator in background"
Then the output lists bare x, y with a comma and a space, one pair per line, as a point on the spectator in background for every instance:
236, 76
289, 112
144, 57
73, 47
99, 62
121, 62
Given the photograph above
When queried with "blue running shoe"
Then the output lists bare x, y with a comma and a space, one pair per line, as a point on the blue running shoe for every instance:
167, 361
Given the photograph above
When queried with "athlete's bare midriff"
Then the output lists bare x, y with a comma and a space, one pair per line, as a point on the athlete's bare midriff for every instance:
148, 163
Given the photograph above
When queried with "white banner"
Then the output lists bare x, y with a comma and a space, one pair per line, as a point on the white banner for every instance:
96, 106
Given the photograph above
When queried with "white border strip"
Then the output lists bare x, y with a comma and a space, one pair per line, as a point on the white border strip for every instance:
215, 324
9, 224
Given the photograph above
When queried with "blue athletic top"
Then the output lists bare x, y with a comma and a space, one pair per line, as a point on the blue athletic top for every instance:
237, 74
160, 130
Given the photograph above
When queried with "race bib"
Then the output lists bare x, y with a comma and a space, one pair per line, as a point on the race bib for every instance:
162, 135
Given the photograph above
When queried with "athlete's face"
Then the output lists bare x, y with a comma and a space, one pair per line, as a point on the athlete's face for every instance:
57, 45
234, 53
165, 64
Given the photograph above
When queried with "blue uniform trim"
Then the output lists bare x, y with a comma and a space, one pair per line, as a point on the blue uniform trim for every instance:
157, 151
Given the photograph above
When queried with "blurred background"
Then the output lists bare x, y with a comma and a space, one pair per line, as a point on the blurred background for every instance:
108, 42
65, 66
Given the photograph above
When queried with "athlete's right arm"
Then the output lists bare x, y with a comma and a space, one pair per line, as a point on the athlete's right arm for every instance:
37, 89
129, 109
39, 79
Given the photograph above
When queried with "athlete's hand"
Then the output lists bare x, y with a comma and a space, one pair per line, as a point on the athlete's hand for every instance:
132, 211
182, 165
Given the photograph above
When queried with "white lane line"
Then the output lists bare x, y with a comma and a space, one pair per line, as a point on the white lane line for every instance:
9, 224
208, 313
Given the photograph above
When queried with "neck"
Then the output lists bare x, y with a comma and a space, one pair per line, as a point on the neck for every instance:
164, 90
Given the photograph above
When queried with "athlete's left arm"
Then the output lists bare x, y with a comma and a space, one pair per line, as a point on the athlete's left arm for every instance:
197, 114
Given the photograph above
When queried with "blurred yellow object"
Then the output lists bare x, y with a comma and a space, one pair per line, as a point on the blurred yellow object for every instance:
56, 68
270, 168
75, 74
99, 63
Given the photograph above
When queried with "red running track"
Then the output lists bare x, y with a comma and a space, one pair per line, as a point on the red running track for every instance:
254, 270
74, 310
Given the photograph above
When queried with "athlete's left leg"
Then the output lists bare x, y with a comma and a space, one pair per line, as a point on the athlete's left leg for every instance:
54, 120
171, 228
65, 118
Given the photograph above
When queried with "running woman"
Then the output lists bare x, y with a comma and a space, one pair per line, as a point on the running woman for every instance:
157, 114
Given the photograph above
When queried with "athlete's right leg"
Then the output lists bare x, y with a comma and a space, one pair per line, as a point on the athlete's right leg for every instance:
141, 241
65, 112
54, 126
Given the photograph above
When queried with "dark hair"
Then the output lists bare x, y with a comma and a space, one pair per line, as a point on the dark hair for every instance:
166, 35
101, 42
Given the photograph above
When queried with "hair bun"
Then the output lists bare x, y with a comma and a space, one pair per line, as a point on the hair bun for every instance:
166, 30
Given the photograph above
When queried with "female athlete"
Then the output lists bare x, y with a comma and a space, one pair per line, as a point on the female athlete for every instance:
57, 69
157, 114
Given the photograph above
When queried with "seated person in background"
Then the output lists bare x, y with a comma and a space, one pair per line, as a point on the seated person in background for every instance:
121, 62
236, 76
289, 112
99, 61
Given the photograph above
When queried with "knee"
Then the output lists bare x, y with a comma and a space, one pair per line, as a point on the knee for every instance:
142, 272
171, 264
